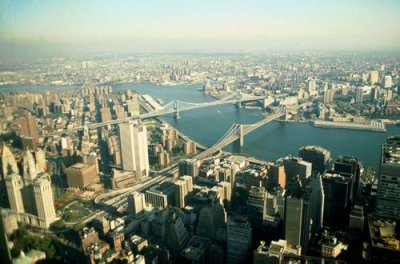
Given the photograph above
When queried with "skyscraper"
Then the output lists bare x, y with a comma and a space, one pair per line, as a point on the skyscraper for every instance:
8, 165
337, 191
293, 219
44, 200
359, 95
350, 167
210, 219
136, 203
388, 196
276, 176
29, 166
40, 158
303, 212
180, 193
317, 156
8, 162
29, 131
239, 239
295, 166
374, 77
14, 185
176, 234
312, 87
133, 148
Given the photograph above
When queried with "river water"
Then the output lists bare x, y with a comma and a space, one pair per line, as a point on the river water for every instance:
270, 142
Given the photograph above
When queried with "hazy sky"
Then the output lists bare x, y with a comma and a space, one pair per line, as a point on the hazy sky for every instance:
201, 25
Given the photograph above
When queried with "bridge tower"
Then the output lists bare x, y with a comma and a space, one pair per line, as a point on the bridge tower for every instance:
238, 97
176, 113
287, 112
241, 141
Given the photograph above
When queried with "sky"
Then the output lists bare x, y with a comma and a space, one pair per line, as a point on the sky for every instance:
39, 26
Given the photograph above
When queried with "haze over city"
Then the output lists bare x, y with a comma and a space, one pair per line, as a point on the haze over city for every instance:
196, 26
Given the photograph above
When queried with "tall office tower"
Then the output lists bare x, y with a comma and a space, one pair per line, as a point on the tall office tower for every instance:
29, 166
43, 194
211, 218
374, 94
295, 166
14, 185
303, 213
239, 239
328, 96
388, 196
40, 161
312, 87
276, 176
388, 81
359, 95
293, 219
29, 131
136, 204
255, 205
349, 166
133, 148
317, 156
374, 77
176, 235
181, 193
337, 191
8, 162
8, 165
105, 114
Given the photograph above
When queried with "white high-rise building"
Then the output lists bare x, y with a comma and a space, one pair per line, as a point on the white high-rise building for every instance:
14, 185
44, 200
136, 204
133, 148
388, 81
8, 162
374, 77
29, 166
40, 161
312, 87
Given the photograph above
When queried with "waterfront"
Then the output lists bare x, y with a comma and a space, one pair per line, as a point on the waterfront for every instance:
270, 142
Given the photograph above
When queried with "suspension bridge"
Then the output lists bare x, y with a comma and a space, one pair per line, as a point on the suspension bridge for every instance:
176, 107
237, 131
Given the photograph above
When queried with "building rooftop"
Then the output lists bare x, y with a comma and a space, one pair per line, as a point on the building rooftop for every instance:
196, 248
336, 177
315, 148
383, 234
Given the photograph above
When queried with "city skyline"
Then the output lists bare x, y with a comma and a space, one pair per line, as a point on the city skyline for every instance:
187, 26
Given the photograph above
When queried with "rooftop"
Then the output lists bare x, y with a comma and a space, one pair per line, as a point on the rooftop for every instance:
315, 148
383, 235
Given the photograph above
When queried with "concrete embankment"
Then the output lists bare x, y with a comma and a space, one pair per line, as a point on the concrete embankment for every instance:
375, 126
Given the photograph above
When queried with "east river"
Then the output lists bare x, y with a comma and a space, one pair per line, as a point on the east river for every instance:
270, 142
